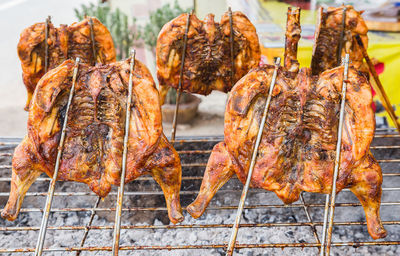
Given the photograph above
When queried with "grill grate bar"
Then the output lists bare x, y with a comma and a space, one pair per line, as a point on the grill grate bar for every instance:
226, 207
208, 246
248, 225
205, 164
143, 193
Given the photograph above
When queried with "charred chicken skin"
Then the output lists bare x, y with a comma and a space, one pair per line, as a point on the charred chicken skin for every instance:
327, 38
208, 64
93, 146
297, 149
65, 42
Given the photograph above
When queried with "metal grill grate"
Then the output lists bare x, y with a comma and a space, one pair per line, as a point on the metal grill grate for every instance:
143, 198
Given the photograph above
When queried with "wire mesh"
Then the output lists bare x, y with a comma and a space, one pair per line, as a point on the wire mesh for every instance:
74, 203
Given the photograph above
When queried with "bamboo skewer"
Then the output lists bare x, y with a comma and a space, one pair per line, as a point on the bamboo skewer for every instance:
378, 87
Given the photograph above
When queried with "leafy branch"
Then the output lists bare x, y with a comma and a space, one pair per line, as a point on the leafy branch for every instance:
123, 29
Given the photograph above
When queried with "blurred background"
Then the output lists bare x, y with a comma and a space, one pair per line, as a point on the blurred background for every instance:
136, 23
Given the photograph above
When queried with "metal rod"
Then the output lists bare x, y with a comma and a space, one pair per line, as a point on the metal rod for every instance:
324, 227
160, 193
88, 226
179, 90
92, 39
379, 87
194, 226
312, 225
50, 194
211, 207
46, 45
117, 225
231, 35
340, 46
235, 228
194, 247
337, 160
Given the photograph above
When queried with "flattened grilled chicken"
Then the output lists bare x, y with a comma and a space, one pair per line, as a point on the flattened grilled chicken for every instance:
63, 43
327, 38
297, 149
208, 64
94, 138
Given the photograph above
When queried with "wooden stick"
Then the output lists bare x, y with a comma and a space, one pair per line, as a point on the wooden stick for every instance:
378, 87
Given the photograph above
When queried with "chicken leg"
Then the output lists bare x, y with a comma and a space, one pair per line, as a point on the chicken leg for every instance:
367, 186
166, 170
214, 178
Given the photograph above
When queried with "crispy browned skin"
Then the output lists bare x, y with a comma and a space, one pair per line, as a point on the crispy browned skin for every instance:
297, 150
292, 37
208, 63
327, 37
94, 137
63, 43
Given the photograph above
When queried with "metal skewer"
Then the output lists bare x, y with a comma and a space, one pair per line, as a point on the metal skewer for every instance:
312, 226
378, 87
118, 211
50, 194
92, 39
46, 45
340, 47
235, 227
87, 228
179, 90
327, 243
231, 44
328, 196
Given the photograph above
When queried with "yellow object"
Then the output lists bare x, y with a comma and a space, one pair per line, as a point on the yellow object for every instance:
383, 46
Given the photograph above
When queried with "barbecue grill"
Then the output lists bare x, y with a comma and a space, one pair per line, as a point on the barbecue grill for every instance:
143, 198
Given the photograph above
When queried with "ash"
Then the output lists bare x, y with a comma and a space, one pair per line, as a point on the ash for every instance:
157, 235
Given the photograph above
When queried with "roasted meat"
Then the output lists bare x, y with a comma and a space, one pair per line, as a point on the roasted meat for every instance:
292, 37
208, 63
298, 147
328, 34
93, 146
63, 43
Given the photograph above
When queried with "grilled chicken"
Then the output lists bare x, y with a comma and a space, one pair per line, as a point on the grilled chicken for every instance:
93, 146
297, 149
63, 43
208, 63
327, 38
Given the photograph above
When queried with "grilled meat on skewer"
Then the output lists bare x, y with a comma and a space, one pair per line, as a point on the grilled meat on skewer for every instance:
208, 62
93, 146
65, 42
328, 38
298, 147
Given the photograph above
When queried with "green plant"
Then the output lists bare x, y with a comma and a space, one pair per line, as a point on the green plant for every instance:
122, 28
170, 98
157, 19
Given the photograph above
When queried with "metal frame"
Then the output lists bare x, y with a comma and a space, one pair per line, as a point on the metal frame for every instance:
50, 194
235, 229
311, 205
179, 90
117, 225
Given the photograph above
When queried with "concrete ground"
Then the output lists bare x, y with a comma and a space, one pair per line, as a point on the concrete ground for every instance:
15, 15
